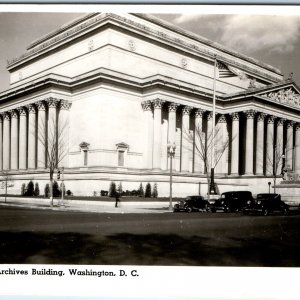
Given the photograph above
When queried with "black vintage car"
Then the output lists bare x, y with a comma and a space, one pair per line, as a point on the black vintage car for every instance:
192, 203
265, 204
232, 201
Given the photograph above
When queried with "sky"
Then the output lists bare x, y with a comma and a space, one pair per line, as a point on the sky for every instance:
272, 39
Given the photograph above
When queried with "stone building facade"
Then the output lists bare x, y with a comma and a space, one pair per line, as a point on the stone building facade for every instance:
121, 87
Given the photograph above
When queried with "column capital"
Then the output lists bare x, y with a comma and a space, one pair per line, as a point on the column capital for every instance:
41, 105
270, 119
290, 124
209, 115
31, 108
250, 113
261, 117
280, 122
235, 116
52, 102
186, 110
199, 113
22, 111
6, 116
222, 119
65, 104
146, 105
158, 103
173, 107
13, 113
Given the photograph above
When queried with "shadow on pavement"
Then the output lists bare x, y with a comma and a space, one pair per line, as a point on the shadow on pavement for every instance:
148, 249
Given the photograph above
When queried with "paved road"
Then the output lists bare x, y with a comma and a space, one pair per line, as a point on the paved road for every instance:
54, 237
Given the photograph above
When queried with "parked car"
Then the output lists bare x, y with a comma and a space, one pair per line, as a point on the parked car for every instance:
192, 203
232, 201
265, 204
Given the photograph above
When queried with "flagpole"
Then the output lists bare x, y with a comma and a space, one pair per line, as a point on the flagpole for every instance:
213, 125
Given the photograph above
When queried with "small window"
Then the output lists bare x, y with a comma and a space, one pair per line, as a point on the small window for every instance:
84, 148
121, 158
85, 157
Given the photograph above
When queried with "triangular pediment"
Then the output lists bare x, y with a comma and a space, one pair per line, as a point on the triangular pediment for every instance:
287, 94
284, 92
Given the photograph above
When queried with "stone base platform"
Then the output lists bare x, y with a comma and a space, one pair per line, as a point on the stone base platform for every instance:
290, 192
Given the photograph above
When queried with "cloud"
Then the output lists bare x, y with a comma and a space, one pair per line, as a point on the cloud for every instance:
248, 33
187, 18
254, 33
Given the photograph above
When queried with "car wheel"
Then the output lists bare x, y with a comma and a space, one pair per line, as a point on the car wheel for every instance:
189, 209
226, 209
213, 210
265, 212
245, 212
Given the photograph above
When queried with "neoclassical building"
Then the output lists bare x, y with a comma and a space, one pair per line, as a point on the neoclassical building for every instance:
124, 86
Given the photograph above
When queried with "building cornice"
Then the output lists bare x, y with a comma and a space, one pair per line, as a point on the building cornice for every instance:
104, 75
145, 86
93, 21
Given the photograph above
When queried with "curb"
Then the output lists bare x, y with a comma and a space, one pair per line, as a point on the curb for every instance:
118, 210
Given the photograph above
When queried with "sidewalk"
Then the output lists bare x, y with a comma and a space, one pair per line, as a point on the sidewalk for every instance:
87, 206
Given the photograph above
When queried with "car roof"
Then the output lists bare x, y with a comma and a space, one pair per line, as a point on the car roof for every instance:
237, 192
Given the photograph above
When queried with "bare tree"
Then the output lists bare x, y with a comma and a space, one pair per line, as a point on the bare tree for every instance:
6, 182
53, 137
204, 144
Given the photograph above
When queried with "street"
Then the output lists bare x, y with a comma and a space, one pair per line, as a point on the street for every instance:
33, 236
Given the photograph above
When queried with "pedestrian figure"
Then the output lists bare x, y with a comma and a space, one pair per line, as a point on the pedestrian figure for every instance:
117, 199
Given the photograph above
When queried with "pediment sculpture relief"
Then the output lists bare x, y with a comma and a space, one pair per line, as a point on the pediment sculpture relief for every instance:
286, 96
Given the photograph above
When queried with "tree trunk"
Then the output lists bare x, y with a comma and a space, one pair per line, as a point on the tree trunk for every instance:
51, 190
5, 190
274, 180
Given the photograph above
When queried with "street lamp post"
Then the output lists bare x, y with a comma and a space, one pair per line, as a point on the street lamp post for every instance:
171, 154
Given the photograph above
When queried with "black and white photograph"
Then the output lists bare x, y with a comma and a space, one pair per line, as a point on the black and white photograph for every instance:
149, 139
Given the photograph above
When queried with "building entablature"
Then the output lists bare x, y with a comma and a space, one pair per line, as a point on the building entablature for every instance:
249, 112
143, 85
186, 43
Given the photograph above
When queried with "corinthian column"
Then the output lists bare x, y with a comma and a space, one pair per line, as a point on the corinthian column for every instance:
172, 108
146, 105
222, 149
172, 122
279, 146
31, 136
209, 140
41, 141
260, 144
63, 133
249, 142
199, 140
235, 143
157, 104
1, 143
52, 123
6, 141
270, 145
185, 157
289, 144
23, 139
297, 149
14, 140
